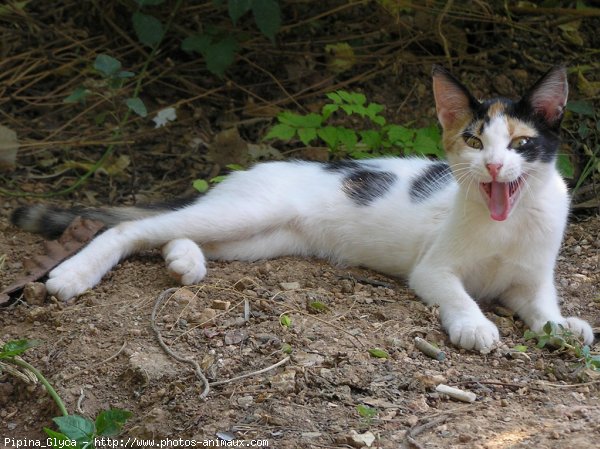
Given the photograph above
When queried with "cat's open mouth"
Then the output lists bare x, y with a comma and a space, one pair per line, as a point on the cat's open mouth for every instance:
501, 197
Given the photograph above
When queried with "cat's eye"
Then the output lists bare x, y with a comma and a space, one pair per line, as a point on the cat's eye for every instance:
518, 142
473, 142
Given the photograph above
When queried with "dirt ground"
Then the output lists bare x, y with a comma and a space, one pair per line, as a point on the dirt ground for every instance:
101, 352
308, 381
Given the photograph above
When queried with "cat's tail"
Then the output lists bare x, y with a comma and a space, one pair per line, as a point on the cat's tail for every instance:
51, 221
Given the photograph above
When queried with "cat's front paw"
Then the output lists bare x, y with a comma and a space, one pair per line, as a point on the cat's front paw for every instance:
580, 328
71, 278
185, 261
476, 333
577, 326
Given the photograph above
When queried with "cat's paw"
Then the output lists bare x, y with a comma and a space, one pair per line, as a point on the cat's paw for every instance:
71, 278
579, 327
185, 261
476, 333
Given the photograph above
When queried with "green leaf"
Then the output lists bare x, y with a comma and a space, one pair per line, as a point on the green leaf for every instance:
335, 97
550, 328
329, 109
521, 348
76, 428
428, 141
565, 167
346, 96
137, 106
281, 131
400, 135
285, 320
56, 438
286, 348
200, 185
267, 16
110, 422
220, 55
148, 29
529, 335
330, 136
78, 95
582, 107
307, 135
348, 138
318, 306
17, 347
218, 179
365, 411
196, 42
379, 353
237, 8
373, 110
371, 138
107, 65
300, 121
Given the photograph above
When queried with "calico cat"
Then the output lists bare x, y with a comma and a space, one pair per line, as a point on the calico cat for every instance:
485, 225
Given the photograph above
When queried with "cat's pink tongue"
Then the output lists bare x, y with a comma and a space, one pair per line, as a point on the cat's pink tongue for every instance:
499, 200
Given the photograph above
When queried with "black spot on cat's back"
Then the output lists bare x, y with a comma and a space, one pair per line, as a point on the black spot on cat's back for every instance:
341, 166
433, 178
365, 186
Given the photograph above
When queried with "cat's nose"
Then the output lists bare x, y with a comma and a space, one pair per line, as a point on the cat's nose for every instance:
493, 170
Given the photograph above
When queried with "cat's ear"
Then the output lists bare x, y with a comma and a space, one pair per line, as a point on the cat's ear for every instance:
548, 97
453, 101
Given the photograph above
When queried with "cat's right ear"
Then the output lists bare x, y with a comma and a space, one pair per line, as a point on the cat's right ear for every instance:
453, 101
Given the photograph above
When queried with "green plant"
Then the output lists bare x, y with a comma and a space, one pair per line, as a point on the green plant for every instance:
588, 132
201, 185
556, 336
376, 137
113, 80
379, 353
366, 412
78, 431
285, 320
218, 46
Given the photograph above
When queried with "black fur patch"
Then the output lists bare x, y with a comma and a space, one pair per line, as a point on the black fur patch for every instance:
365, 186
432, 179
343, 165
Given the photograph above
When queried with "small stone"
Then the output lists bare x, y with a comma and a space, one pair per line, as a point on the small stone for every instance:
235, 337
310, 434
284, 382
35, 293
221, 305
289, 285
359, 440
464, 438
245, 401
206, 318
429, 380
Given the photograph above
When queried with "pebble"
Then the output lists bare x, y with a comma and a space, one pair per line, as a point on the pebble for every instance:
35, 293
289, 285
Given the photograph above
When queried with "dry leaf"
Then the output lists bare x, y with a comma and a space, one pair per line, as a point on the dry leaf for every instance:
79, 232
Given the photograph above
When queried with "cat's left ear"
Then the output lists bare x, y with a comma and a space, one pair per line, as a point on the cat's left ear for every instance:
548, 97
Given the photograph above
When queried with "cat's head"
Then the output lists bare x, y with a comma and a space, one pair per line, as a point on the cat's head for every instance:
504, 146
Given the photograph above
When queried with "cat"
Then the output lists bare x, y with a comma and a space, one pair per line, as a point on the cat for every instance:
485, 225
